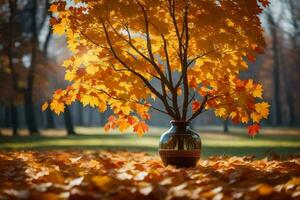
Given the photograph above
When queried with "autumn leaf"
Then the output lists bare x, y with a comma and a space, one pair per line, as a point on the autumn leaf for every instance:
251, 57
45, 106
57, 106
263, 189
53, 7
257, 92
123, 125
140, 128
220, 112
53, 21
265, 3
132, 120
102, 182
195, 105
263, 109
253, 129
111, 174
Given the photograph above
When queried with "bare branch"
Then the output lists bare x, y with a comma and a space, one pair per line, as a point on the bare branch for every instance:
185, 66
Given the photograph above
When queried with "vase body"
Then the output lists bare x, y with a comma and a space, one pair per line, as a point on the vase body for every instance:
180, 146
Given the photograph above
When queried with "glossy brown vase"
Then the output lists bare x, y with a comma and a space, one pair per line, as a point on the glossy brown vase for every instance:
180, 146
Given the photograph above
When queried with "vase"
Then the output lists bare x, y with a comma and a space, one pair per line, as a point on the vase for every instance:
180, 146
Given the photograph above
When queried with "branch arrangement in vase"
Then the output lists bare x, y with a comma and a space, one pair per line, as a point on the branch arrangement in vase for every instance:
187, 55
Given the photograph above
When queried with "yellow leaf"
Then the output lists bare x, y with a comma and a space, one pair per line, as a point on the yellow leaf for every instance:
263, 109
229, 23
45, 106
233, 115
92, 69
257, 92
102, 182
123, 125
255, 117
89, 100
221, 112
57, 106
70, 75
294, 181
249, 84
59, 29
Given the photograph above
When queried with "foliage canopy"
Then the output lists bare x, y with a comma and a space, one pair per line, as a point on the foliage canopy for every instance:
187, 54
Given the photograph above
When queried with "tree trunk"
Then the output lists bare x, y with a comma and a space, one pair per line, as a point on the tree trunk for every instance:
29, 104
290, 103
30, 112
14, 75
14, 119
225, 126
294, 7
80, 115
276, 71
68, 121
49, 115
91, 112
7, 117
50, 119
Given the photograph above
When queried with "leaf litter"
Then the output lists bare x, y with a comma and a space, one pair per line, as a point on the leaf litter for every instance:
73, 175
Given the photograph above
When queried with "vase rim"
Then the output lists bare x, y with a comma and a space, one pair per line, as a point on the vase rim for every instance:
179, 122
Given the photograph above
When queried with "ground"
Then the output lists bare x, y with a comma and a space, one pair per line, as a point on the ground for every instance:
233, 165
53, 175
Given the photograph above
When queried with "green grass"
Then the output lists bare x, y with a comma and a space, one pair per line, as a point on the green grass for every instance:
280, 141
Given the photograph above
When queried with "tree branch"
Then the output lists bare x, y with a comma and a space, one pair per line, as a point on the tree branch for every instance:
147, 83
202, 106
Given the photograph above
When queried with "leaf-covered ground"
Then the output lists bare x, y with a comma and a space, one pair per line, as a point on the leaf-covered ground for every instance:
126, 175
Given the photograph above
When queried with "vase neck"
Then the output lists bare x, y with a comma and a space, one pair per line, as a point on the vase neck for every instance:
181, 126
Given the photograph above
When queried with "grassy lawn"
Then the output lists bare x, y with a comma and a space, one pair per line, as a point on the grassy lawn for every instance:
270, 140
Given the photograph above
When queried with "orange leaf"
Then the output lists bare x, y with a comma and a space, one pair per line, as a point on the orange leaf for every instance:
131, 120
112, 119
253, 129
193, 83
58, 91
195, 105
140, 128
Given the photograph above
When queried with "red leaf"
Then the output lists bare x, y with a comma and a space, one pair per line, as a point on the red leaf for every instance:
195, 105
58, 91
193, 83
259, 50
251, 57
265, 3
253, 129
